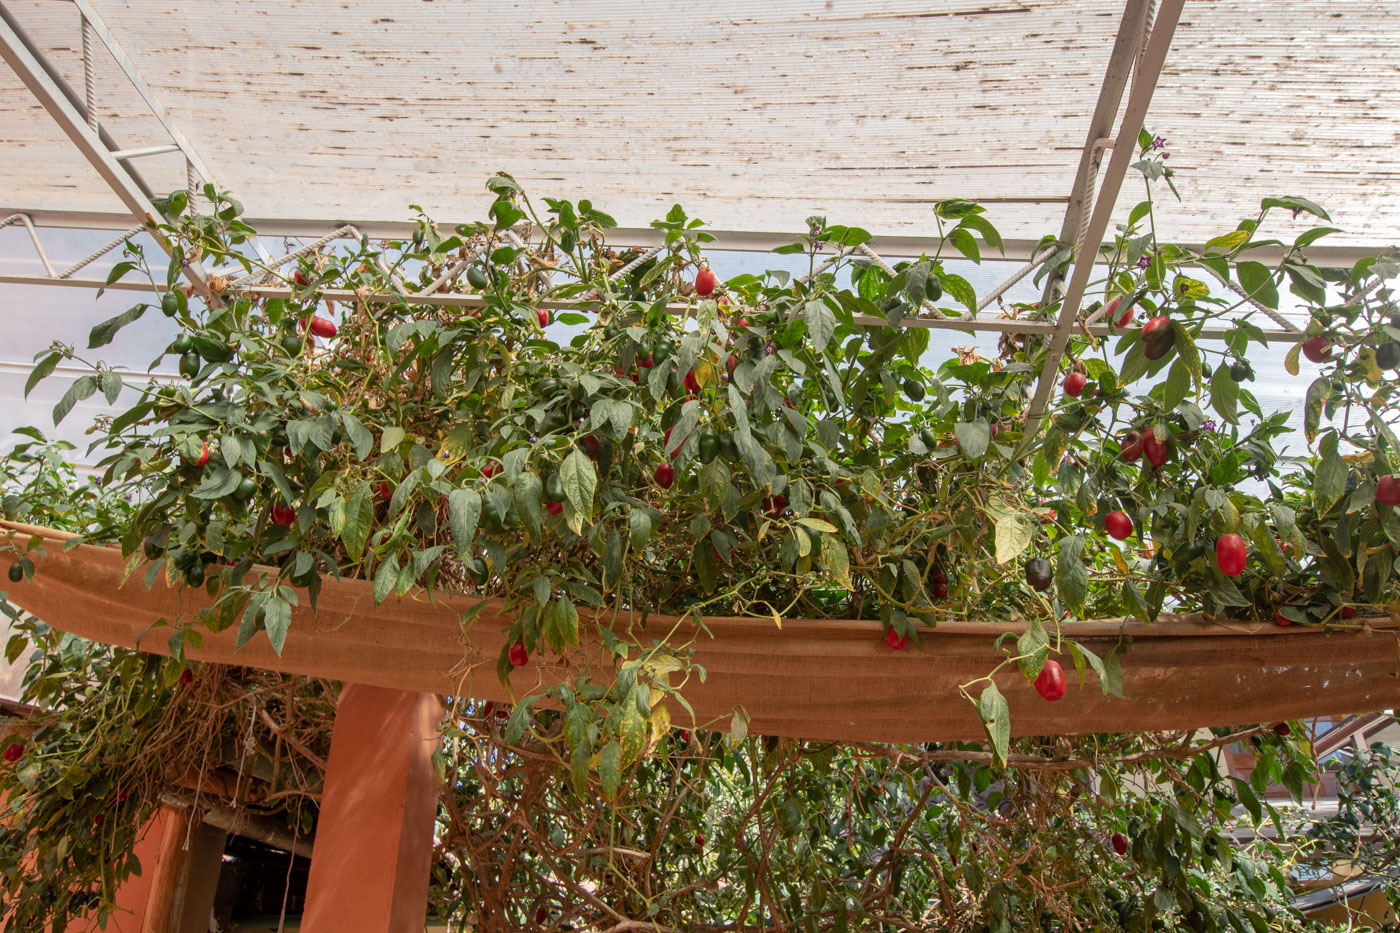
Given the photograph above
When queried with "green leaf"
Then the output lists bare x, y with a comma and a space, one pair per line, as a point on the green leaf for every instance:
1014, 534
360, 437
566, 620
639, 526
835, 560
1331, 479
1258, 282
111, 385
82, 387
580, 481
610, 768
391, 438
1178, 385
965, 243
385, 578
960, 289
1317, 393
1228, 241
1032, 648
996, 719
821, 324
632, 732
463, 514
1225, 394
529, 497
42, 370
973, 437
359, 520
1071, 576
277, 618
102, 334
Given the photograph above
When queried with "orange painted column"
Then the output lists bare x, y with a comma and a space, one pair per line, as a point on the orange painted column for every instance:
374, 838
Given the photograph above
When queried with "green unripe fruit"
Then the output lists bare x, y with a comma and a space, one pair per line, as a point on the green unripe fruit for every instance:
1388, 355
194, 573
914, 390
554, 488
189, 365
709, 447
16, 573
727, 448
169, 304
290, 343
477, 278
247, 487
183, 343
477, 571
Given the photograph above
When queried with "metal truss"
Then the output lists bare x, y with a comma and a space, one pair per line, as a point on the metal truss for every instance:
1138, 54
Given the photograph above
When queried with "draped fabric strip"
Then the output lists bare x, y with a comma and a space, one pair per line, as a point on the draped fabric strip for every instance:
825, 680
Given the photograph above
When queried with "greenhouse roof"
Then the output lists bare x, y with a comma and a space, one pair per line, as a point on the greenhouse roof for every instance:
753, 116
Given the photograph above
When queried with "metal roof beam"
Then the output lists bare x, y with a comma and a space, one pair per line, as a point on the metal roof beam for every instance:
124, 62
747, 241
42, 82
1148, 70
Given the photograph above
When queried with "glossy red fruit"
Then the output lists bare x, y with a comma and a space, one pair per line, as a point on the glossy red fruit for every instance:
1074, 384
774, 505
491, 469
646, 362
322, 327
203, 454
1123, 319
1133, 444
1317, 348
283, 514
1388, 489
1231, 555
300, 279
385, 493
554, 508
699, 839
541, 916
1050, 682
14, 751
1348, 612
186, 677
692, 385
1155, 450
542, 315
517, 655
938, 576
705, 283
940, 591
1281, 619
895, 640
1156, 329
1120, 844
665, 475
1118, 524
591, 445
1282, 728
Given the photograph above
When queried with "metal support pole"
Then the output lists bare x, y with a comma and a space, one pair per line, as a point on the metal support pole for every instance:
33, 237
1150, 64
42, 84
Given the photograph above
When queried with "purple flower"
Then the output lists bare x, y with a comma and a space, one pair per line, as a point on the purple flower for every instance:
1208, 425
1158, 142
769, 349
1144, 262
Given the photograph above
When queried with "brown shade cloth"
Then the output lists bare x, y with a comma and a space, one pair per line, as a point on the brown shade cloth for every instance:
831, 680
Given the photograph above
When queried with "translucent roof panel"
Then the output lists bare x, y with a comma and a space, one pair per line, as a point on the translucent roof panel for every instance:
752, 115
